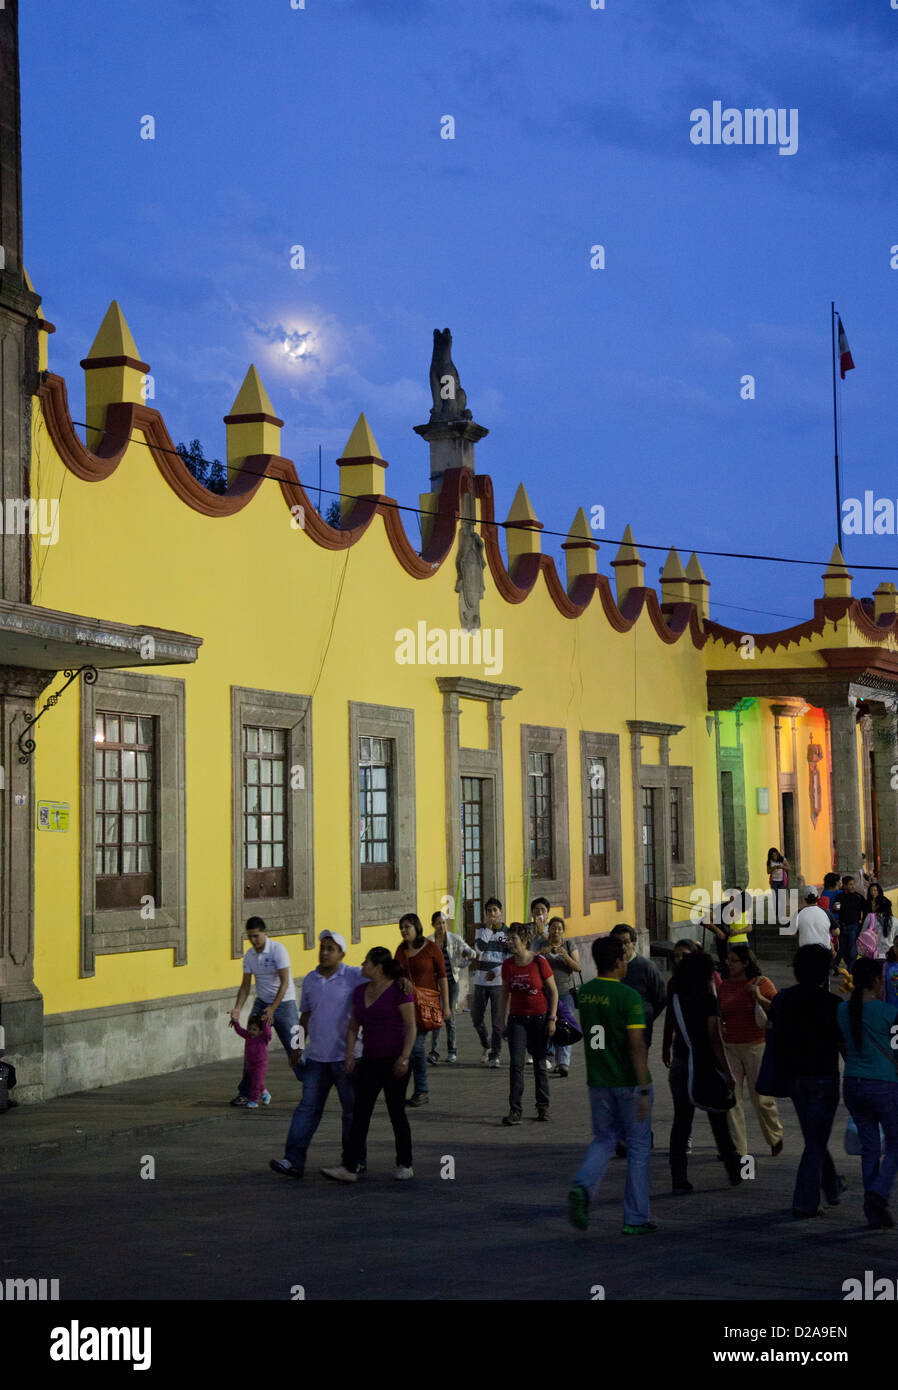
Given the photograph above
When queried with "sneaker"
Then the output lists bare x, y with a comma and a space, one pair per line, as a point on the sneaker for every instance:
647, 1228
734, 1173
284, 1167
252, 1105
562, 1071
433, 1058
689, 1145
529, 1059
339, 1174
419, 1098
681, 1189
578, 1208
512, 1118
403, 1174
239, 1102
542, 1112
453, 1057
265, 1097
486, 1059
495, 1063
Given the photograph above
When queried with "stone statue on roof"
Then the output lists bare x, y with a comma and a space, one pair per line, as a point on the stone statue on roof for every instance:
449, 400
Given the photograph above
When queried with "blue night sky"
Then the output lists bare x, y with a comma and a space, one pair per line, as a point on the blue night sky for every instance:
619, 387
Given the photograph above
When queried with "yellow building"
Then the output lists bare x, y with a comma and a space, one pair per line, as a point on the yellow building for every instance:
329, 727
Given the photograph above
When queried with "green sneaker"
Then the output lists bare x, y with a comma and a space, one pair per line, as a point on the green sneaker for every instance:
646, 1229
578, 1208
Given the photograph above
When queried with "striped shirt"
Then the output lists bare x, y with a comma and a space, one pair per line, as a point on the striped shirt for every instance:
492, 947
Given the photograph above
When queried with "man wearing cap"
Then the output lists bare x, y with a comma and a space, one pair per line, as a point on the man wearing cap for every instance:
326, 1007
811, 923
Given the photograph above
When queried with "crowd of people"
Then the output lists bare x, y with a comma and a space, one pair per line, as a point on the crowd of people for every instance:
729, 1038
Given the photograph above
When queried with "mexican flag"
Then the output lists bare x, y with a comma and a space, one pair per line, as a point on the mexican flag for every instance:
846, 361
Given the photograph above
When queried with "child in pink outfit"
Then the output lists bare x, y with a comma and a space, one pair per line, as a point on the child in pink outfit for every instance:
255, 1055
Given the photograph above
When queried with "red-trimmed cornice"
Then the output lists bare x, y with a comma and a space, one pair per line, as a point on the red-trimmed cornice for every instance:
825, 610
123, 419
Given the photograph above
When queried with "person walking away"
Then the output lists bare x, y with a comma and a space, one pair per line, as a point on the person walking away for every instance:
422, 962
805, 1039
386, 1014
492, 949
870, 1085
644, 976
530, 1005
268, 962
619, 1087
257, 1034
7, 1078
326, 1007
564, 963
850, 909
744, 995
811, 923
699, 1073
879, 920
457, 956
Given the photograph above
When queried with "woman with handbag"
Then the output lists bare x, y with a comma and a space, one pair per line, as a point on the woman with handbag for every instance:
870, 1084
745, 1000
699, 1074
422, 961
878, 934
564, 965
528, 987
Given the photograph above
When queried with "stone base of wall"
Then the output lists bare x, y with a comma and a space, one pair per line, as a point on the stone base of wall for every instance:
123, 1042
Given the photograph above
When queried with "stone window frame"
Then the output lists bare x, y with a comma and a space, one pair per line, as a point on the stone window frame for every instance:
539, 738
378, 907
113, 931
293, 915
682, 871
610, 886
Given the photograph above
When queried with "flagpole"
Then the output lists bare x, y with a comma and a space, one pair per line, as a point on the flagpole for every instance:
832, 334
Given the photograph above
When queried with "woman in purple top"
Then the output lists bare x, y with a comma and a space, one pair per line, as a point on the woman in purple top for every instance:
386, 1014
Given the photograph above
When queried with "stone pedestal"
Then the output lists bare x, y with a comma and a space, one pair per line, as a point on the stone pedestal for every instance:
451, 446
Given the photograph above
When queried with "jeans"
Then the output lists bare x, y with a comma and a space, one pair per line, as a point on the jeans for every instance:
684, 1114
286, 1018
847, 952
816, 1099
491, 994
418, 1061
450, 1022
527, 1033
318, 1078
871, 1104
373, 1075
613, 1120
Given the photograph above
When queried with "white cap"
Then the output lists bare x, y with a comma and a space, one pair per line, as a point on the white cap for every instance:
334, 936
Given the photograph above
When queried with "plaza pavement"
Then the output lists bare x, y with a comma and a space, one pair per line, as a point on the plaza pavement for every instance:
215, 1223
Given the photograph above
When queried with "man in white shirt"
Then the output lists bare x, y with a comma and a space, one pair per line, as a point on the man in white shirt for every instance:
811, 923
269, 962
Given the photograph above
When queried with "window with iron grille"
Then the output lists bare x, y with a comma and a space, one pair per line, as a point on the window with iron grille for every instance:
125, 848
377, 827
265, 866
596, 827
541, 815
676, 841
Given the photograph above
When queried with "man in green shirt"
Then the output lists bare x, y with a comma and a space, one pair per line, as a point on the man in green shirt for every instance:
620, 1088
